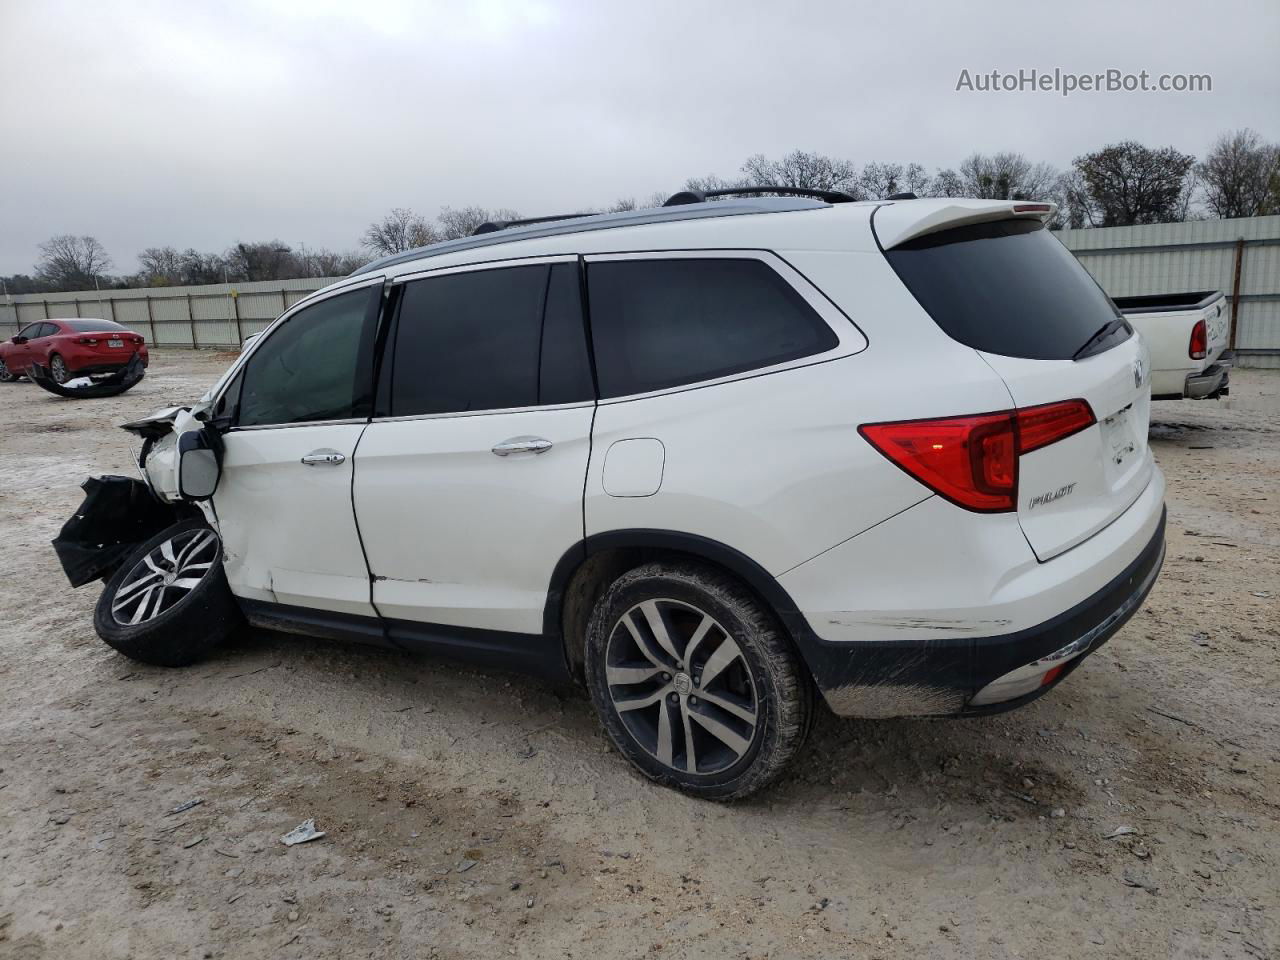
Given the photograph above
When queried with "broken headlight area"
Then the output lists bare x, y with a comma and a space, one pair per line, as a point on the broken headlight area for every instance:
117, 514
111, 385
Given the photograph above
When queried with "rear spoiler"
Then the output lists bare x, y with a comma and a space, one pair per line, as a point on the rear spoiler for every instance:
896, 223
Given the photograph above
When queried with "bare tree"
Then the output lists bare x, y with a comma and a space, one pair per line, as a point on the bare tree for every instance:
159, 267
330, 263
713, 182
462, 222
880, 180
1128, 183
1241, 176
1006, 176
398, 231
265, 260
69, 262
803, 169
947, 183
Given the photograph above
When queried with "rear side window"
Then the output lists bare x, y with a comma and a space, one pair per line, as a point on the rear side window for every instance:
665, 323
315, 365
477, 341
1010, 288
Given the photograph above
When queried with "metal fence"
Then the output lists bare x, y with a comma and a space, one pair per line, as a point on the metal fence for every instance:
216, 315
1239, 257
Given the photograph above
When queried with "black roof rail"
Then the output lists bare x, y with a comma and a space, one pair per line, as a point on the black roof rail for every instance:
908, 195
492, 226
700, 196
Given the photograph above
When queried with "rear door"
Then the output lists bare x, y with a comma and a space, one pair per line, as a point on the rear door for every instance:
468, 483
296, 410
1011, 291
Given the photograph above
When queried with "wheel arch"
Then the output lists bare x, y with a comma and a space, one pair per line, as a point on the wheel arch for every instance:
585, 571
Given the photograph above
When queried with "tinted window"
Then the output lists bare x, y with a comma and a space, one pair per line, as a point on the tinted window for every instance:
565, 375
1007, 287
47, 330
663, 323
311, 367
30, 331
91, 326
472, 341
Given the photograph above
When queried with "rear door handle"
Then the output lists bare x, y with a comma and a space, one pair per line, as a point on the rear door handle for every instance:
323, 457
522, 445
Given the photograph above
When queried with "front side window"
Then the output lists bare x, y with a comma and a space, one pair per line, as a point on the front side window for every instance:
30, 331
666, 323
476, 341
315, 366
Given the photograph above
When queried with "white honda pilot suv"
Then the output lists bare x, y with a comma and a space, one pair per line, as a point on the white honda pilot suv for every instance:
716, 461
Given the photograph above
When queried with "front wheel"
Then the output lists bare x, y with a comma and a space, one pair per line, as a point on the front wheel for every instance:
6, 375
695, 682
169, 604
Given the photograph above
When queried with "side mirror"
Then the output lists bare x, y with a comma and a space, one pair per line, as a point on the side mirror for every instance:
19, 339
198, 467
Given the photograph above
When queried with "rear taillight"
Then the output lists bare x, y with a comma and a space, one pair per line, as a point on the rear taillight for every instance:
1198, 348
88, 341
973, 461
1051, 422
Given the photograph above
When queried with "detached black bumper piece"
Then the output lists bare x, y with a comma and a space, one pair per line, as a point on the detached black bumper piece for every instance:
117, 514
123, 379
939, 677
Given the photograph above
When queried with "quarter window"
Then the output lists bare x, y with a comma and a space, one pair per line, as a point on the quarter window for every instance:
315, 366
665, 323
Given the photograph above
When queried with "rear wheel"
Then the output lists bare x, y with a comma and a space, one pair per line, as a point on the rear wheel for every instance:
58, 369
695, 682
169, 603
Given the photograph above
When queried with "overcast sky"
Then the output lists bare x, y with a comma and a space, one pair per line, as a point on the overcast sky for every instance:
200, 124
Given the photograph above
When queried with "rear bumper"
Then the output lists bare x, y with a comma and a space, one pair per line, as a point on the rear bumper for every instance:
90, 363
918, 617
1215, 381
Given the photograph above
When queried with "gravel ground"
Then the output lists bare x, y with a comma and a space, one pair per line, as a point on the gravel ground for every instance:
473, 814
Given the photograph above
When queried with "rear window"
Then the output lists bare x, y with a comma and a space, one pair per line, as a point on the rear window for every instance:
1009, 288
91, 326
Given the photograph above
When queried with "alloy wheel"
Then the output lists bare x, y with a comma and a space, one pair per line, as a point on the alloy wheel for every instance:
160, 580
58, 367
681, 686
5, 375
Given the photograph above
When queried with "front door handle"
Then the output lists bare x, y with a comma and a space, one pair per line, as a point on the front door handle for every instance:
318, 457
522, 445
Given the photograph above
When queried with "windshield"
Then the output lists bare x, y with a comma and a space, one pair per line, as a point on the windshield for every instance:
1008, 287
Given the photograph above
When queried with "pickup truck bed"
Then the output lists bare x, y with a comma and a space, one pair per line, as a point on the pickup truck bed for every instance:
1186, 335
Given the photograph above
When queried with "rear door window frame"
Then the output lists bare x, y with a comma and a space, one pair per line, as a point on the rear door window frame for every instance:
382, 405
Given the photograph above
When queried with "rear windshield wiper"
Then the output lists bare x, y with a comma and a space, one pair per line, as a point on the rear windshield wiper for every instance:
1102, 333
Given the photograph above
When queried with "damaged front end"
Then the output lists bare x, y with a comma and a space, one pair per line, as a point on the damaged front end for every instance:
119, 512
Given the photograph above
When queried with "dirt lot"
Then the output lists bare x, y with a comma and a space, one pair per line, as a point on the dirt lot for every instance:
476, 814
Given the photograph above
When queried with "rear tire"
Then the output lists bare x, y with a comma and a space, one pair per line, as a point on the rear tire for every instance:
715, 701
58, 369
169, 604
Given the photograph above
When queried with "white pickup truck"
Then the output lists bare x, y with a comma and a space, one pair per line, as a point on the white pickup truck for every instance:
1186, 334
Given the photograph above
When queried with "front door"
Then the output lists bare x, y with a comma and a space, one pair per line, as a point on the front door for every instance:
468, 487
296, 412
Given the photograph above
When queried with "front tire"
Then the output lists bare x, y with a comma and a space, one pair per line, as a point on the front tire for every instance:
694, 680
6, 375
169, 604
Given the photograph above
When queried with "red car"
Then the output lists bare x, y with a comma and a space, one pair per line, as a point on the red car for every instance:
70, 349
